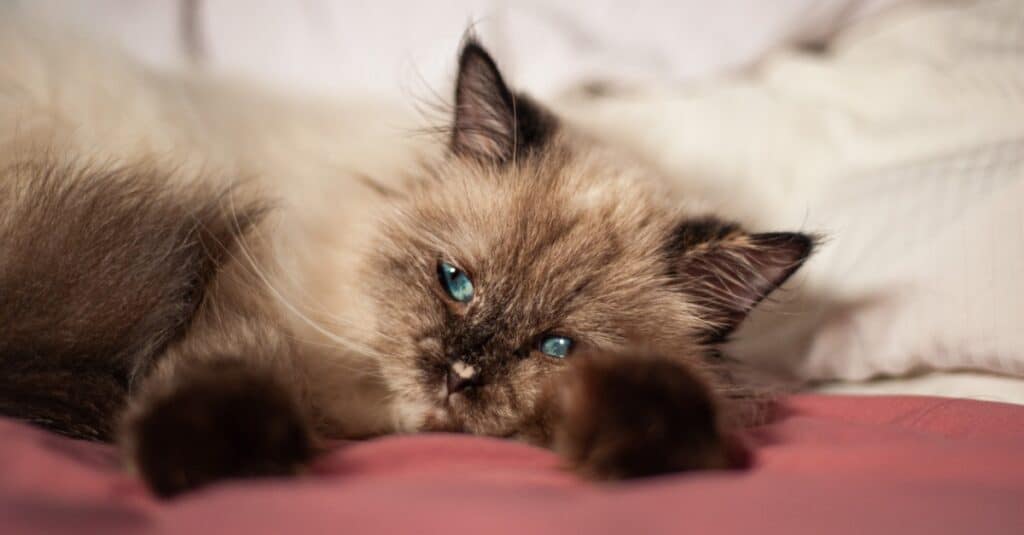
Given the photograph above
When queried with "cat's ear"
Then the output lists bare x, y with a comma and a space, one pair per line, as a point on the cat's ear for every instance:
492, 124
726, 271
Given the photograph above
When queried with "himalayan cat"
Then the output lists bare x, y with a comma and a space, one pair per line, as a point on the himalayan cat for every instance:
191, 274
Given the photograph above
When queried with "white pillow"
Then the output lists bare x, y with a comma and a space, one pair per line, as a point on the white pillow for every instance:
904, 144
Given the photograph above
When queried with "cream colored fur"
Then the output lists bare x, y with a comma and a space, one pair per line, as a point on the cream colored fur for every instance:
62, 93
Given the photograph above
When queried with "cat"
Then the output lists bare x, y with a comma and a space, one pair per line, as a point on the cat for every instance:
220, 307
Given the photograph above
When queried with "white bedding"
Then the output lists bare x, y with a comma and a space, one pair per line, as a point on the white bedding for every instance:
904, 145
969, 385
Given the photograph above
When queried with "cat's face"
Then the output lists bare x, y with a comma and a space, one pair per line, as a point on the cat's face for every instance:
526, 246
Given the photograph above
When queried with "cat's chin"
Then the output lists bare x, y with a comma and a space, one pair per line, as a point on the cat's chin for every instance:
443, 413
437, 417
440, 422
412, 416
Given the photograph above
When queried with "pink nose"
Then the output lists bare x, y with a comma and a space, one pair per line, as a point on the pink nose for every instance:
458, 383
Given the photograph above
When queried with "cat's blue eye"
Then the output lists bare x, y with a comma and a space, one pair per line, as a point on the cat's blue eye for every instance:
556, 346
455, 282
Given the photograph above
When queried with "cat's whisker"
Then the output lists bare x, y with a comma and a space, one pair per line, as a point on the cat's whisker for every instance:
250, 263
348, 344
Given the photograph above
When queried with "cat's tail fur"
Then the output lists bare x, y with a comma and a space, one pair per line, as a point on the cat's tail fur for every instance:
101, 267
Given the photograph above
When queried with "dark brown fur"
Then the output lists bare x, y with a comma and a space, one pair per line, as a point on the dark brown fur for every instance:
226, 420
633, 415
77, 401
100, 269
492, 123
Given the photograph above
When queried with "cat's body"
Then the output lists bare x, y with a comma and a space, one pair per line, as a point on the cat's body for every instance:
220, 278
74, 104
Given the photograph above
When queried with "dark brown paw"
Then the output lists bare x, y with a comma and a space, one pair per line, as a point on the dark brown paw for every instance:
219, 423
625, 416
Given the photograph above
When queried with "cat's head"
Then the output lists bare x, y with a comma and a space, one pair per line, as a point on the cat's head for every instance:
528, 244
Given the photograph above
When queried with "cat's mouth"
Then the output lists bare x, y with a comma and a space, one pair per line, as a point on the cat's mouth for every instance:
462, 412
451, 411
444, 412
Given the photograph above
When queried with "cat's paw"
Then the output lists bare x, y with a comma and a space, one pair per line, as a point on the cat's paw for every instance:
626, 416
221, 423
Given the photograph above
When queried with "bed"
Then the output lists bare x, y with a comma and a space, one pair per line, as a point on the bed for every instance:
864, 139
830, 464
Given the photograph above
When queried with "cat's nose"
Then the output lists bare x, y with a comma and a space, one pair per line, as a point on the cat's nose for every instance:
462, 376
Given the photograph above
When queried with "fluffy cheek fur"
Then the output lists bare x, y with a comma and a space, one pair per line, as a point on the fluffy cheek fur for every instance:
593, 275
406, 313
417, 329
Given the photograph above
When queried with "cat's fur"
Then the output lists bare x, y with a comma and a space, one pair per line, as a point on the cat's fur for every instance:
174, 261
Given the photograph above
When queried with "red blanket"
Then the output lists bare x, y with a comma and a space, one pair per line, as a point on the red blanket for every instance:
831, 465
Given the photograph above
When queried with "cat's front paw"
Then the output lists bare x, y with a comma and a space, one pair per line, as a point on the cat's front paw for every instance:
220, 423
626, 416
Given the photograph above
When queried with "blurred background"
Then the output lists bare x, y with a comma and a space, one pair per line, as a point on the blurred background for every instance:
392, 45
893, 127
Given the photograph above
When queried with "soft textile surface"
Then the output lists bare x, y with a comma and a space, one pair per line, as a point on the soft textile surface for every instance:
393, 46
903, 143
961, 384
831, 465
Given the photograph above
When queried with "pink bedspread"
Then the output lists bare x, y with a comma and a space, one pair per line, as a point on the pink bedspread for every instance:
833, 465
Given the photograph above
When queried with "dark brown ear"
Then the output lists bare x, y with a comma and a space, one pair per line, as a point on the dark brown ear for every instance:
726, 271
493, 124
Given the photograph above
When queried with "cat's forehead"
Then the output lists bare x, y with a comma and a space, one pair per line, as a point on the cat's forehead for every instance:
551, 229
534, 213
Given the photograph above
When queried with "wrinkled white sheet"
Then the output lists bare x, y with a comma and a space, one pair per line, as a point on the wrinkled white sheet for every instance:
904, 145
968, 385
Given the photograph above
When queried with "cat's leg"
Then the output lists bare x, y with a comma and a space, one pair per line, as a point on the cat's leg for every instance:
622, 416
197, 421
226, 400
